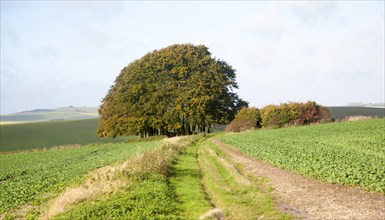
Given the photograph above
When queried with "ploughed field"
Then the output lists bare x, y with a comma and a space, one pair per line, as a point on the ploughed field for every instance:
188, 177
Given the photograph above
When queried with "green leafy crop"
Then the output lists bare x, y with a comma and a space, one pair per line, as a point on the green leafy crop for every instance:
350, 153
32, 177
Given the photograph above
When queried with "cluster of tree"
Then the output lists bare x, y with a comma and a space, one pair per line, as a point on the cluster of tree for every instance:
177, 90
277, 116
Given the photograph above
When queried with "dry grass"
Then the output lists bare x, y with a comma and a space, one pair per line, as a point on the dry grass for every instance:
173, 140
13, 122
216, 213
59, 147
357, 118
101, 181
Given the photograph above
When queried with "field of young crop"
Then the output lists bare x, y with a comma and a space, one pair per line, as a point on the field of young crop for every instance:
166, 181
350, 153
185, 177
14, 137
33, 177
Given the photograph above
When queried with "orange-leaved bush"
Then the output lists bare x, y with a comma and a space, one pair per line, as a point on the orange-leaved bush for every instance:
294, 113
245, 119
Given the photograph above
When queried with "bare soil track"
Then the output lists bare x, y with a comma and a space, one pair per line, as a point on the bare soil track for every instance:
308, 198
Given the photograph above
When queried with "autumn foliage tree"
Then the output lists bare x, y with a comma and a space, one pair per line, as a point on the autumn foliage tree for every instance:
179, 89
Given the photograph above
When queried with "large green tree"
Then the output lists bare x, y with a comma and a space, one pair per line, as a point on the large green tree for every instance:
179, 89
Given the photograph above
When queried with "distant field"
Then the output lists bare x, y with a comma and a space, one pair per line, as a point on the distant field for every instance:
65, 113
351, 153
15, 137
342, 112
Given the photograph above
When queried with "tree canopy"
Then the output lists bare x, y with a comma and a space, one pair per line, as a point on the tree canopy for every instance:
179, 90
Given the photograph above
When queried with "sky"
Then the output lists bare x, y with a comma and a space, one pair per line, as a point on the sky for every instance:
61, 53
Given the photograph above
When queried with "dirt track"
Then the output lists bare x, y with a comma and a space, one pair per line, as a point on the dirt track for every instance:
308, 198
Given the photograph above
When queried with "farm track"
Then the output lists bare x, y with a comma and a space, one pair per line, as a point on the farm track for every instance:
307, 198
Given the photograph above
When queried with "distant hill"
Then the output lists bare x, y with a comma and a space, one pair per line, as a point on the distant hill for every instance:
370, 105
38, 115
346, 111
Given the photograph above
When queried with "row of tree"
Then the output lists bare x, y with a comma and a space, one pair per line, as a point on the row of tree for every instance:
177, 90
277, 116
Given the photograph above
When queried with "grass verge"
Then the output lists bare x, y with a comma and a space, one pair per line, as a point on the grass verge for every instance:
151, 198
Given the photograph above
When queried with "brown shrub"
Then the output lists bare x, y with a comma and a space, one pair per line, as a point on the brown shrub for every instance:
240, 124
293, 113
252, 114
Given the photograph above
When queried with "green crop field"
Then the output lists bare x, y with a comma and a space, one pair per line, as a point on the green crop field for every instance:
15, 137
185, 177
351, 153
138, 180
32, 177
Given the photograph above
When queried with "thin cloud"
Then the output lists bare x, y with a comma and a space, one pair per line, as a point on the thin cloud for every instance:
266, 24
311, 11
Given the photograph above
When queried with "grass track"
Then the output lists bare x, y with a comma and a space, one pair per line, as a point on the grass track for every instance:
238, 198
186, 181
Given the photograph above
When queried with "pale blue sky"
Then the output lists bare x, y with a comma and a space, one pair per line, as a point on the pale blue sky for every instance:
57, 53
